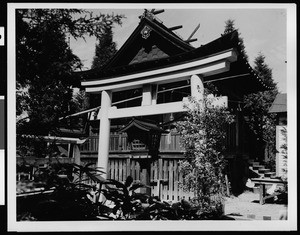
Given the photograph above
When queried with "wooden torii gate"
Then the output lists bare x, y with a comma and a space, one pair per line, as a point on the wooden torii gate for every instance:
191, 71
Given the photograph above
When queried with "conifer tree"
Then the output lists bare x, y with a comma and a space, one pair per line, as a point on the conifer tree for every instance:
257, 105
105, 48
104, 51
230, 27
45, 63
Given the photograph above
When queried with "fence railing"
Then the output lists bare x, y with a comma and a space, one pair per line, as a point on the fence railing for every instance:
168, 142
27, 167
165, 176
119, 143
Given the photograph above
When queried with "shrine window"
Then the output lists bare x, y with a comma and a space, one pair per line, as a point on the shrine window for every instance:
137, 144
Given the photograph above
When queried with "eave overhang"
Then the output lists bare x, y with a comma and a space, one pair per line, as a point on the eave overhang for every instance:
57, 139
142, 125
236, 75
206, 66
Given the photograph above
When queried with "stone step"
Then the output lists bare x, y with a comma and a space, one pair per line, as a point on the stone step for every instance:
263, 175
273, 176
263, 170
254, 163
260, 169
256, 167
270, 174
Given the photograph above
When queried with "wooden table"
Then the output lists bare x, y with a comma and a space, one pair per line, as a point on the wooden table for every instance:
262, 187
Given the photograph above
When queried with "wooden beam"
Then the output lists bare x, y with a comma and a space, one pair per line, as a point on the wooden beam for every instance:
59, 140
173, 107
156, 109
191, 40
156, 12
175, 27
211, 69
195, 30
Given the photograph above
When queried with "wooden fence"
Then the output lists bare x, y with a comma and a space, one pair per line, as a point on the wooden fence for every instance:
165, 177
26, 167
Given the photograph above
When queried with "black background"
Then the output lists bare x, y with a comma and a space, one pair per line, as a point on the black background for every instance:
3, 84
4, 79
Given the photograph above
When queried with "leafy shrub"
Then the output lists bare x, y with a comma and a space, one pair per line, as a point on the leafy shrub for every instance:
69, 198
202, 135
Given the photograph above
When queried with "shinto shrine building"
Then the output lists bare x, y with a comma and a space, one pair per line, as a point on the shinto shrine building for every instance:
140, 93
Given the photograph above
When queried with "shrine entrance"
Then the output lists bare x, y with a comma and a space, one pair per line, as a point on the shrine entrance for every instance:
144, 138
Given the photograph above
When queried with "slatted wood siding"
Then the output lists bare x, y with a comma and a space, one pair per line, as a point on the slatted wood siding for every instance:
166, 178
164, 175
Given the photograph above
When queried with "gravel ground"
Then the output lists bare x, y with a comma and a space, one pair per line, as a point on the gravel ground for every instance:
246, 206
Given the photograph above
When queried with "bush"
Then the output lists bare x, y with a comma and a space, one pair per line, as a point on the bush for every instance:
202, 135
69, 198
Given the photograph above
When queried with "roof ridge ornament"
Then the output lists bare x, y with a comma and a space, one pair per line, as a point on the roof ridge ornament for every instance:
147, 14
150, 15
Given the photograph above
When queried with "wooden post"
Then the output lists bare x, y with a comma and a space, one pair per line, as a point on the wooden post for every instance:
128, 171
145, 175
147, 95
262, 193
76, 154
104, 132
154, 94
197, 91
76, 157
197, 88
227, 185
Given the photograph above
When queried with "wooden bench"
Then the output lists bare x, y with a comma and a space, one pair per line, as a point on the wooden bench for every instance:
262, 187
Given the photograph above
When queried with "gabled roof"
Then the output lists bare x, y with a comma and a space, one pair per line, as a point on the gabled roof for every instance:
72, 133
162, 48
149, 33
279, 105
142, 125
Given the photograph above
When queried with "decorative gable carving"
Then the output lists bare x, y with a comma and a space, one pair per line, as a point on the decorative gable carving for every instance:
146, 54
146, 32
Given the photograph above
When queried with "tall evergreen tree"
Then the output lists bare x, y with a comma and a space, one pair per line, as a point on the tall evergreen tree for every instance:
105, 48
257, 107
45, 63
230, 27
257, 104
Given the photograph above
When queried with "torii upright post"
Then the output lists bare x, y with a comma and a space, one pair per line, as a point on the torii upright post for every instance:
104, 132
197, 88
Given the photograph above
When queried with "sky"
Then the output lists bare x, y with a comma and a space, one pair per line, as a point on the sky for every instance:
264, 30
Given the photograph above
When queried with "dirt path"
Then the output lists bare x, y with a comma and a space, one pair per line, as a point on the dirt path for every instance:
246, 206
